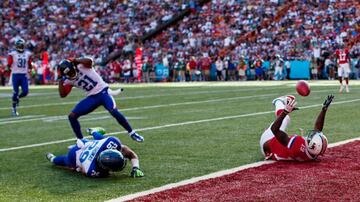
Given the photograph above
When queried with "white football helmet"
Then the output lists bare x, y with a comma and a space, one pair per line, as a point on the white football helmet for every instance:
316, 143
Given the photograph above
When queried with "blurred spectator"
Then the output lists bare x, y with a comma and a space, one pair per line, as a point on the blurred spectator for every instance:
193, 68
242, 68
2, 74
259, 71
205, 64
220, 72
330, 67
146, 68
279, 67
314, 68
288, 69
127, 71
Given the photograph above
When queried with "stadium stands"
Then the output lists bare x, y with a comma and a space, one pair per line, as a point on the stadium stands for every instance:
229, 29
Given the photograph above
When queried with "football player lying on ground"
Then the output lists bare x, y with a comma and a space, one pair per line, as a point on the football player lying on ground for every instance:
78, 72
276, 144
98, 157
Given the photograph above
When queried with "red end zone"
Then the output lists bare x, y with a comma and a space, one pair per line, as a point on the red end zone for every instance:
336, 177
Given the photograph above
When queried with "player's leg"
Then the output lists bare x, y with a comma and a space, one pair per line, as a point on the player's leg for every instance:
340, 75
279, 104
15, 97
84, 107
24, 87
346, 75
109, 103
265, 137
68, 160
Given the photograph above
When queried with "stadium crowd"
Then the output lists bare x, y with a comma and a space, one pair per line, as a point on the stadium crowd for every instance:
206, 39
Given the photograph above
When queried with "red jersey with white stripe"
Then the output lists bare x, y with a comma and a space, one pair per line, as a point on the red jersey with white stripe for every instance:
342, 56
19, 63
295, 150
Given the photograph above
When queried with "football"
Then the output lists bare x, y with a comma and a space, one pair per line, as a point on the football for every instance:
303, 88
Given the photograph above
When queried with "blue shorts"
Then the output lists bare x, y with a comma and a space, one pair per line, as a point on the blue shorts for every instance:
20, 80
92, 102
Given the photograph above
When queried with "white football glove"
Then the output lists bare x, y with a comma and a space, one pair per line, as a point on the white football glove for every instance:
290, 105
115, 92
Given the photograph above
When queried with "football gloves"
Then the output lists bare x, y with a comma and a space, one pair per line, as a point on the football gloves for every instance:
290, 105
327, 102
136, 172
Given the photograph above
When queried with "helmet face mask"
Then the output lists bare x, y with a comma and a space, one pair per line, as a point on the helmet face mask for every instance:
20, 45
111, 160
316, 143
67, 69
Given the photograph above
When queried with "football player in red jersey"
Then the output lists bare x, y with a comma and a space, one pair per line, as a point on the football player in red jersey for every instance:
343, 61
276, 144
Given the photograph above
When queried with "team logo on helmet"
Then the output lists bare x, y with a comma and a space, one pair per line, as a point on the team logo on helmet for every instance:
67, 69
316, 143
112, 160
20, 45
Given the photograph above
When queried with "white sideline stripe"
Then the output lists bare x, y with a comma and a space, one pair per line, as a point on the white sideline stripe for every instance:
209, 176
64, 117
166, 126
139, 97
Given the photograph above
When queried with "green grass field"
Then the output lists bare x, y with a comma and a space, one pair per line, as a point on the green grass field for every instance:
189, 129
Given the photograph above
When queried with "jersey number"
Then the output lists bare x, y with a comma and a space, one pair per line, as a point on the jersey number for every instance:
21, 62
87, 83
84, 155
342, 56
111, 145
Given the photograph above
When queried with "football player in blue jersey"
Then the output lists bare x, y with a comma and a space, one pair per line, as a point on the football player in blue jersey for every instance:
78, 72
98, 157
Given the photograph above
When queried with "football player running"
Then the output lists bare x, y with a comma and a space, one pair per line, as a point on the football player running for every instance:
276, 144
78, 72
98, 157
19, 62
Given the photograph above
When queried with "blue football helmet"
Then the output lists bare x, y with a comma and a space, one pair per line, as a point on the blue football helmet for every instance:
20, 45
112, 160
67, 69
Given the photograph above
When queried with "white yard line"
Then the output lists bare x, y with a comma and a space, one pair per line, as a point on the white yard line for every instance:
169, 125
139, 97
209, 176
95, 118
21, 117
64, 117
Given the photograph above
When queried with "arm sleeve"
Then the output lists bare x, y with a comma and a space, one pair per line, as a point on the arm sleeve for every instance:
10, 60
29, 62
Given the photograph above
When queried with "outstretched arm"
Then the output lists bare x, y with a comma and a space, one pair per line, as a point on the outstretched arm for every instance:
130, 154
319, 123
280, 135
87, 62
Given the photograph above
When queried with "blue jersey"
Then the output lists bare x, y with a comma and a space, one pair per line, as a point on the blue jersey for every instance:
86, 153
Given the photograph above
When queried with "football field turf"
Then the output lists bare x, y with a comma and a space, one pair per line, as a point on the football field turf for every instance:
189, 129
